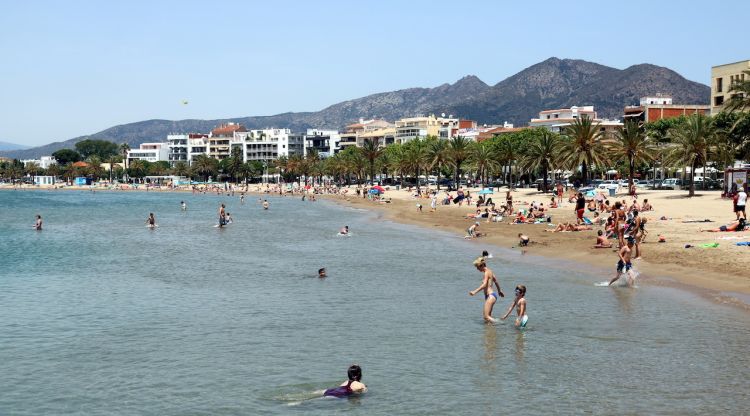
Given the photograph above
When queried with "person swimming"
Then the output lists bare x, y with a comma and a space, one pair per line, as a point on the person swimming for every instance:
322, 272
345, 230
352, 386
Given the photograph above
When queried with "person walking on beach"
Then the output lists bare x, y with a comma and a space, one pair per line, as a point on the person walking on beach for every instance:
433, 202
151, 221
739, 203
222, 216
38, 223
520, 304
559, 193
624, 264
509, 201
490, 295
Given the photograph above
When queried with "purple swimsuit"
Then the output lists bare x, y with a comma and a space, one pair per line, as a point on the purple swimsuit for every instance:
340, 391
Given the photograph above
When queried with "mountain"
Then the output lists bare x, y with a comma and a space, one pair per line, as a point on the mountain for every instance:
11, 146
553, 83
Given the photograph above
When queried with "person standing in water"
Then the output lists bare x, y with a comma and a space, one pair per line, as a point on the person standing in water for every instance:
242, 199
520, 304
222, 216
353, 385
151, 221
38, 223
490, 295
183, 206
265, 204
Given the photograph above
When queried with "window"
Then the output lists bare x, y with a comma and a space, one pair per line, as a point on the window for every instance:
557, 115
547, 116
719, 84
718, 100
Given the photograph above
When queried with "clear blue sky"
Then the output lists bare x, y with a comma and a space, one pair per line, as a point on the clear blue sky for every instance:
70, 68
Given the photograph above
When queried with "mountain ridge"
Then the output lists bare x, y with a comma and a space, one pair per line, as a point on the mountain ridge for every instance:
552, 83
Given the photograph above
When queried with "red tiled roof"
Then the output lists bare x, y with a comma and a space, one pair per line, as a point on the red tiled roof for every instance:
227, 129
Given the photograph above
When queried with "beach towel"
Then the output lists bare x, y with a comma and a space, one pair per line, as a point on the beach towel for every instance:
587, 221
743, 243
710, 245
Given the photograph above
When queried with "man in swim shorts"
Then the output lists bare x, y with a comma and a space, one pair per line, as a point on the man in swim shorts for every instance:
490, 295
624, 263
151, 220
38, 223
580, 207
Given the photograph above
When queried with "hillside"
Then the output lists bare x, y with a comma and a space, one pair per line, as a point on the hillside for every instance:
553, 83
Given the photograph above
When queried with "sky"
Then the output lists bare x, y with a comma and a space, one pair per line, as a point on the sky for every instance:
71, 68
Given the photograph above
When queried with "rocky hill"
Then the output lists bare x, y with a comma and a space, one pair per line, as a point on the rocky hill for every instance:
553, 83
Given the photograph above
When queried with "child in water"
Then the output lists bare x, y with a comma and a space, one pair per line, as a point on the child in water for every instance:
520, 304
352, 386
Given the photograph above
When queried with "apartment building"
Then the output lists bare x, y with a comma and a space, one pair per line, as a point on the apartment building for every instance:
269, 144
352, 132
722, 78
325, 142
660, 106
149, 152
220, 140
557, 120
408, 129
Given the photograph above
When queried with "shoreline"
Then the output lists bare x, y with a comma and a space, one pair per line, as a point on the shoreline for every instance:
661, 268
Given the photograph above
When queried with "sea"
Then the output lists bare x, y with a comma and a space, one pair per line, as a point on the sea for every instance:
100, 315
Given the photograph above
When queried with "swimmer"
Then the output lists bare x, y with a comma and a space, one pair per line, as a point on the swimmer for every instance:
38, 224
183, 206
490, 296
345, 230
624, 262
520, 303
523, 240
486, 254
322, 272
151, 221
265, 204
353, 385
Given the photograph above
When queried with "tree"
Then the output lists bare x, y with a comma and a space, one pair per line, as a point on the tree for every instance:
180, 169
691, 144
739, 98
543, 152
458, 151
32, 168
124, 149
138, 168
101, 148
234, 163
437, 155
416, 157
66, 156
632, 143
205, 166
583, 145
482, 155
508, 151
371, 151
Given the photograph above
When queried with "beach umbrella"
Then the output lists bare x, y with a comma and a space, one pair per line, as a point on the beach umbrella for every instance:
378, 188
486, 191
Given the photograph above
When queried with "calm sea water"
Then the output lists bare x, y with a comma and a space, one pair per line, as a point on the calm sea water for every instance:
100, 315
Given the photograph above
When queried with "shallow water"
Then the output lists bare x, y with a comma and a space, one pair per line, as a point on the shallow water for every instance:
100, 315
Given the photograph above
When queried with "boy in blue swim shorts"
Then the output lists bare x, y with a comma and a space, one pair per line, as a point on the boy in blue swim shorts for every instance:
624, 264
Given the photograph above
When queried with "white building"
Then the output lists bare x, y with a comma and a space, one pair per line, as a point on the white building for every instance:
269, 144
558, 120
149, 152
44, 162
326, 142
410, 128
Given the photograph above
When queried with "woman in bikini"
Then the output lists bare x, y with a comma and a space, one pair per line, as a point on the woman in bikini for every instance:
490, 295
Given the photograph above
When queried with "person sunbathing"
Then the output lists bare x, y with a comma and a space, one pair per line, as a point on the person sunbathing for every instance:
566, 227
735, 226
601, 240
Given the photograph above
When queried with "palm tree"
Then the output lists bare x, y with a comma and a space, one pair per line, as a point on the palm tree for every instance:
630, 141
583, 145
205, 166
739, 91
691, 144
458, 150
32, 168
437, 155
543, 152
371, 151
124, 152
482, 155
416, 157
180, 169
507, 152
